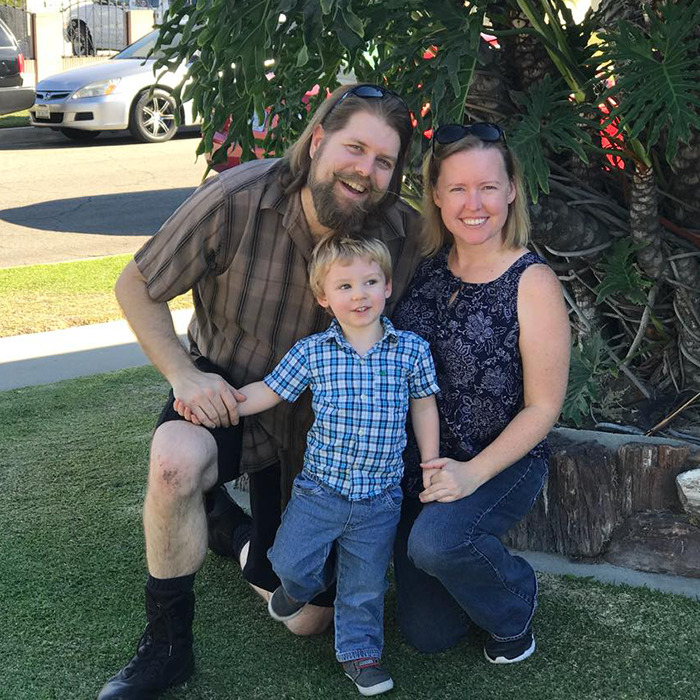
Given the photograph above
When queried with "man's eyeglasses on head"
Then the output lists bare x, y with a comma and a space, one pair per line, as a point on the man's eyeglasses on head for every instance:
486, 131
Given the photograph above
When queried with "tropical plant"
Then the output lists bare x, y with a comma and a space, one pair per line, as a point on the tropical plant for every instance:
603, 113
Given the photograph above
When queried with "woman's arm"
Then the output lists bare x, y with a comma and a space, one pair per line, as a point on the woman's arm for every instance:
544, 349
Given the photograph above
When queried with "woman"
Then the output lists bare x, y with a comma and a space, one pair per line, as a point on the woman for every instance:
495, 318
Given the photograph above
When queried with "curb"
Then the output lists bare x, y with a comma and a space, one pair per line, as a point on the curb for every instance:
52, 356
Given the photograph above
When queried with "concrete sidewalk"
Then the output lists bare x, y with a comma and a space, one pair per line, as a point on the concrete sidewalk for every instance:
42, 358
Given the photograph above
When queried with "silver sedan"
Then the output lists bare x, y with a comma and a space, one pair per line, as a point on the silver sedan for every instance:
121, 93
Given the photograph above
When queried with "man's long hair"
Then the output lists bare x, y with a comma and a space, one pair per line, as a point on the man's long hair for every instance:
296, 164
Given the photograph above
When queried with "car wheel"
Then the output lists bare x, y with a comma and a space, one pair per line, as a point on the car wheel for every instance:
81, 40
153, 116
80, 134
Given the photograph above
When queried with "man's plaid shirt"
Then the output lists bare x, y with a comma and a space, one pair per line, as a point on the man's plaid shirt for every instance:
360, 404
242, 246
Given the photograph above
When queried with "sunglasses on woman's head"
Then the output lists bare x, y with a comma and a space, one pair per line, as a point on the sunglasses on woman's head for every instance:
370, 92
486, 131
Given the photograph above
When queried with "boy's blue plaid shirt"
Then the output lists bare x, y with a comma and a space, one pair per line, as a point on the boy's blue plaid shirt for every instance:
360, 404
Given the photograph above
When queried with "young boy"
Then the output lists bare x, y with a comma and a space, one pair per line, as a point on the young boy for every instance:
363, 374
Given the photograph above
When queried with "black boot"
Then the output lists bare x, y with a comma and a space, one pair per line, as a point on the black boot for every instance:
163, 654
228, 525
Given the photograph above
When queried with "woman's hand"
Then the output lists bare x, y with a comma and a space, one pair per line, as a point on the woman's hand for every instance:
446, 480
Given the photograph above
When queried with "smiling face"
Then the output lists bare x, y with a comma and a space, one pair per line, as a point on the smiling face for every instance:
473, 193
356, 292
351, 170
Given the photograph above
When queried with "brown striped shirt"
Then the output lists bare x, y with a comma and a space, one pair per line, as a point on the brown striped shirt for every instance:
242, 246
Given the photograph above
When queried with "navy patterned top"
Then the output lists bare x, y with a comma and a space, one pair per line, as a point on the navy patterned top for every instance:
474, 341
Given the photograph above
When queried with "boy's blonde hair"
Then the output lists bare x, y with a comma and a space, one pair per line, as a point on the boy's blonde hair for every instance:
334, 248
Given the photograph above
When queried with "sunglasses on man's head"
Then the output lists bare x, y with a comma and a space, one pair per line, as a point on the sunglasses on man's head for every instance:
486, 131
369, 92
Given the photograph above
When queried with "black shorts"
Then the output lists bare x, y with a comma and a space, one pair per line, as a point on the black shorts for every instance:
264, 490
228, 440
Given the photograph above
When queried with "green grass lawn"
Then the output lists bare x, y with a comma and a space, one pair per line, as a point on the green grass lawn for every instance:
49, 297
14, 119
72, 476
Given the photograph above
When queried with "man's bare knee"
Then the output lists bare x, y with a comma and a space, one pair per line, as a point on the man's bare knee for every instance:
313, 619
183, 460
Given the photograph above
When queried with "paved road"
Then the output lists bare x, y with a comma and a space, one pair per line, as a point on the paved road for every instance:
61, 200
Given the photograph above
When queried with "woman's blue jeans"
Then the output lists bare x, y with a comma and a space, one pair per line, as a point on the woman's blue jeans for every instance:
451, 567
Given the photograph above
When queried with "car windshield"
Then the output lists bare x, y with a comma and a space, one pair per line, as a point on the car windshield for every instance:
142, 47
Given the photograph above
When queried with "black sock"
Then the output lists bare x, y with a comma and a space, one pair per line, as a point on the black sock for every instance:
170, 611
170, 587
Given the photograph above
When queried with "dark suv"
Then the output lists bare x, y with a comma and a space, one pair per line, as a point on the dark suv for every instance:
13, 97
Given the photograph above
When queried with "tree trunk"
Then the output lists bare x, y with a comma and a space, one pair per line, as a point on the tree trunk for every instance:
684, 182
662, 543
686, 304
488, 98
565, 228
598, 484
644, 222
613, 11
526, 60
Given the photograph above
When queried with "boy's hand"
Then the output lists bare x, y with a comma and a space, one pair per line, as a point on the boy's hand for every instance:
185, 412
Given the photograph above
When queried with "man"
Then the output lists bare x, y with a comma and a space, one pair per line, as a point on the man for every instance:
241, 243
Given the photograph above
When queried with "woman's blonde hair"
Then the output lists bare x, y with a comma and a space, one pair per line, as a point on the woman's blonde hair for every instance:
333, 249
334, 114
516, 231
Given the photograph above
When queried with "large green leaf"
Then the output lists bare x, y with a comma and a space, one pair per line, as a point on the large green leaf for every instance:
656, 74
382, 41
620, 274
587, 365
549, 122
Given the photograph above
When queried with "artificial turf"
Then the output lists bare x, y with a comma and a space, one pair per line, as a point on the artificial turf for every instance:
72, 478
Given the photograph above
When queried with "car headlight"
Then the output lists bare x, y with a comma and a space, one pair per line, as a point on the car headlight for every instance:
104, 87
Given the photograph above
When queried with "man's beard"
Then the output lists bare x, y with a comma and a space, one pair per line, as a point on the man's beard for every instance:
348, 219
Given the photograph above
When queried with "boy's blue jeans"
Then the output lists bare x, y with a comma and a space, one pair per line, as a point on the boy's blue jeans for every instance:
363, 532
451, 567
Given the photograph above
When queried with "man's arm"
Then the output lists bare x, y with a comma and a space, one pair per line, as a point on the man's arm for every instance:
209, 398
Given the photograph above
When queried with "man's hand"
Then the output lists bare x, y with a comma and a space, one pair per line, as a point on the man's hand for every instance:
446, 480
207, 399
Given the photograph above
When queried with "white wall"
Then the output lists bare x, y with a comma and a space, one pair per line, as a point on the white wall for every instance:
44, 5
